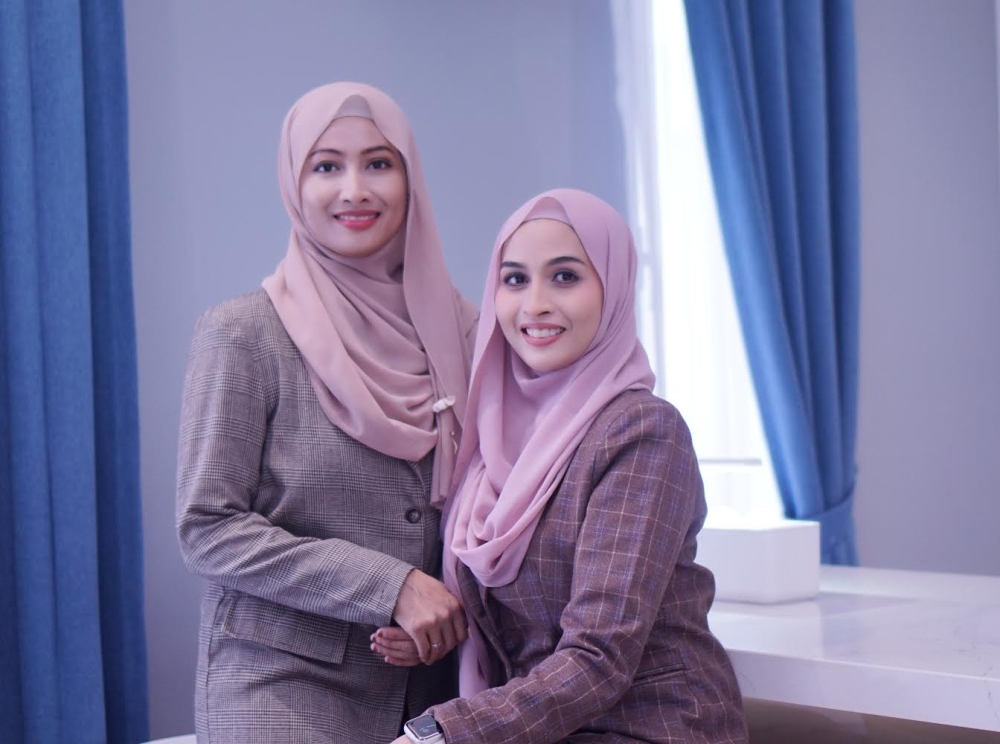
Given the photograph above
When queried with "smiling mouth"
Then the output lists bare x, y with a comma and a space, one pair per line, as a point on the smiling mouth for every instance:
542, 332
357, 220
356, 217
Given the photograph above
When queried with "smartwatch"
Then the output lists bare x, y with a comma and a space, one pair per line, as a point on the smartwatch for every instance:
423, 730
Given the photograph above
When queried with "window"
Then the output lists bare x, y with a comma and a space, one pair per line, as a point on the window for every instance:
686, 309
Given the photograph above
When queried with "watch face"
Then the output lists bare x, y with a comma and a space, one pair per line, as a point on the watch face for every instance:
423, 727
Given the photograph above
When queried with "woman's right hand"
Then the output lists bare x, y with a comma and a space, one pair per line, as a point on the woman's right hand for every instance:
431, 615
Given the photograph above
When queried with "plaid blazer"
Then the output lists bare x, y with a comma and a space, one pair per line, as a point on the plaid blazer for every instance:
305, 537
603, 636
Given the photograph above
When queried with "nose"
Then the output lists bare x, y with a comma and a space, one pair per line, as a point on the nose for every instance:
536, 299
352, 186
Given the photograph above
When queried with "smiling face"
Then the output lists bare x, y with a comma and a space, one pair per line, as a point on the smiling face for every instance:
353, 188
550, 298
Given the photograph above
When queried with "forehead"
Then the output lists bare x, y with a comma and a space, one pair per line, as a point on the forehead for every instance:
542, 239
351, 133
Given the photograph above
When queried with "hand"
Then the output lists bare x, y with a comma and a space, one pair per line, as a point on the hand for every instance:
401, 740
395, 646
431, 615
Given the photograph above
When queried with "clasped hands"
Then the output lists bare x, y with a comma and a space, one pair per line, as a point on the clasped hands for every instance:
430, 620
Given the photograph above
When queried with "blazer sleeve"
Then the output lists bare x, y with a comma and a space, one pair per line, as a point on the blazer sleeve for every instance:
224, 423
639, 512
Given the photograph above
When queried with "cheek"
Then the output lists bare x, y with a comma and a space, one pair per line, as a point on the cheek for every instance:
394, 199
311, 197
590, 313
397, 195
505, 309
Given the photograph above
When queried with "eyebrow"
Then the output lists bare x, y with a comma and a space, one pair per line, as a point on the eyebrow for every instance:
553, 262
366, 151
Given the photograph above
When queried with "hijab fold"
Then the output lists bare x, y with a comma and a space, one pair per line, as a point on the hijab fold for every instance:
383, 344
522, 427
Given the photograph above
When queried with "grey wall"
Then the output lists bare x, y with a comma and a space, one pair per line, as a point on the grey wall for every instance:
506, 99
929, 422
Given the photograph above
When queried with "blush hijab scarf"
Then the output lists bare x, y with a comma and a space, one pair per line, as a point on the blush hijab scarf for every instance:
523, 427
383, 337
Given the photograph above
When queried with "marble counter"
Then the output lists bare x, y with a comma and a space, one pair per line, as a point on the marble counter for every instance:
904, 644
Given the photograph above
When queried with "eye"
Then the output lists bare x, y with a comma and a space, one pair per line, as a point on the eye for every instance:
514, 279
565, 276
380, 164
325, 167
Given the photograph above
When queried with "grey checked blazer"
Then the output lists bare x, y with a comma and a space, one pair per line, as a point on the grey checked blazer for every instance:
603, 636
305, 537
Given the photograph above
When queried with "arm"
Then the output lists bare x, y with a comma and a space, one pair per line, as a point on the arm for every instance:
637, 517
224, 425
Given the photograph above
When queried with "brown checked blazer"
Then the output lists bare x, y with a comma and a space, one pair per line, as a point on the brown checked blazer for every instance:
603, 635
304, 536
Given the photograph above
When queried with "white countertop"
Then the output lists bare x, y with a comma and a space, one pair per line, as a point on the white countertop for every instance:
906, 644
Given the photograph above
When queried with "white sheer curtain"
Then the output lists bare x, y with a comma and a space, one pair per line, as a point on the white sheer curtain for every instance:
687, 314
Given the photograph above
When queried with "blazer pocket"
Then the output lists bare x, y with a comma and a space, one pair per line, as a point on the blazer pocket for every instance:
250, 618
657, 674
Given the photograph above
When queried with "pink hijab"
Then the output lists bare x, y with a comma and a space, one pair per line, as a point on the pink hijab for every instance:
523, 427
383, 337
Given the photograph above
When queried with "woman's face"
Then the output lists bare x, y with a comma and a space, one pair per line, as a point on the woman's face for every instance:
550, 297
353, 188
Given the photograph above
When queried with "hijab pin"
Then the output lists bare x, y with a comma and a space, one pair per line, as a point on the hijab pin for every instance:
443, 403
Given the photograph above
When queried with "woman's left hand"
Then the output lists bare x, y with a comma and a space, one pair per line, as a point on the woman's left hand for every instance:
401, 740
396, 647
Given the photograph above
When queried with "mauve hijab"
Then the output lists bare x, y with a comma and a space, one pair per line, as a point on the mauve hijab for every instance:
522, 428
384, 336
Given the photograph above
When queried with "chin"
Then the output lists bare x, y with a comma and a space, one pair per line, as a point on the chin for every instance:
545, 364
354, 251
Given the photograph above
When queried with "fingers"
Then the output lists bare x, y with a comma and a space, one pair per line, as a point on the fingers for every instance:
395, 647
392, 634
397, 655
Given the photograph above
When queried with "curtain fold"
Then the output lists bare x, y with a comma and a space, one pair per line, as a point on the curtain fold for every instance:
776, 83
73, 665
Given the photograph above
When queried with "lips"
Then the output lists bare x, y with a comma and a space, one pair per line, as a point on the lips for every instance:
359, 219
541, 334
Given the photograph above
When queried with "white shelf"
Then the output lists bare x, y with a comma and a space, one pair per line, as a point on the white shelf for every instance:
912, 645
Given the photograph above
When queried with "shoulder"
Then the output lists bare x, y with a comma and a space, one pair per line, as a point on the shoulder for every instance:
248, 319
638, 414
246, 311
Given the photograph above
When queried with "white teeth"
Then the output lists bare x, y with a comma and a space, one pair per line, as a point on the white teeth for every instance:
543, 332
355, 217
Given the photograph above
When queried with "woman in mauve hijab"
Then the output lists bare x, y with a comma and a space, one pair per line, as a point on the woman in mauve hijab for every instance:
320, 422
571, 538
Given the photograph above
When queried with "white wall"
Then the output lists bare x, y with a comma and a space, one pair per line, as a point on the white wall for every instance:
929, 428
506, 98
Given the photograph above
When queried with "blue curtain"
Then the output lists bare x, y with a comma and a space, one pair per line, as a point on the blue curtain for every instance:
776, 80
72, 658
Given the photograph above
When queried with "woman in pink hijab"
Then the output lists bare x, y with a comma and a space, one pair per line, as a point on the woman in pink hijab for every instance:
319, 428
572, 535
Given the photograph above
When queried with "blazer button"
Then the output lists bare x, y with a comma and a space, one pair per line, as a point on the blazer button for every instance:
413, 516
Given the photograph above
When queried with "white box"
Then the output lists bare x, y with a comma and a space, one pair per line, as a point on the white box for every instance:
772, 562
